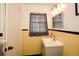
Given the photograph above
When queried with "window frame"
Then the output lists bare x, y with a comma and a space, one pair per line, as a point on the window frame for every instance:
38, 33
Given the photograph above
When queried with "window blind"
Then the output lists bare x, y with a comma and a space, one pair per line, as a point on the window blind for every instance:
38, 24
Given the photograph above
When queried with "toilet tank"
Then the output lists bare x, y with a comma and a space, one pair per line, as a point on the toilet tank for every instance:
52, 47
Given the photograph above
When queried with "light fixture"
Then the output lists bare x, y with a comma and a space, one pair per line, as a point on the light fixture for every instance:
58, 8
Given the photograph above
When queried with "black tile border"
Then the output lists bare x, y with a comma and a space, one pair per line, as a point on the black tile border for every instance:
71, 32
34, 55
24, 29
1, 34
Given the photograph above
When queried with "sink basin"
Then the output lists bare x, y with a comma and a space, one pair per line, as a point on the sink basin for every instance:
52, 47
49, 42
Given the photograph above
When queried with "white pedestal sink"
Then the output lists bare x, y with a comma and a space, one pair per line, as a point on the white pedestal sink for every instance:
52, 47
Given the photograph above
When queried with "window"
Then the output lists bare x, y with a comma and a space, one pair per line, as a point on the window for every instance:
38, 24
58, 21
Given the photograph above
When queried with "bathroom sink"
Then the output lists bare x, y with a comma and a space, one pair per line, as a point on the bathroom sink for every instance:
52, 47
49, 42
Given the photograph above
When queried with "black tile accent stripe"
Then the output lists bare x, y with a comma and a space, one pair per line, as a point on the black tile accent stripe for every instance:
24, 29
71, 32
1, 34
34, 55
50, 29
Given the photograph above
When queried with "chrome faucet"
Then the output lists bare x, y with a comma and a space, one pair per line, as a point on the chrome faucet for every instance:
53, 36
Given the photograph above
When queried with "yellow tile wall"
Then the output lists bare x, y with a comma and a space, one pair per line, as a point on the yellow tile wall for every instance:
33, 45
70, 42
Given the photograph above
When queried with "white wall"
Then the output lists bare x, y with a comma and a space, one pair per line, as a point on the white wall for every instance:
71, 21
36, 8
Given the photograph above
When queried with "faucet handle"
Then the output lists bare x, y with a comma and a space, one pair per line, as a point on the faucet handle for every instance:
50, 34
